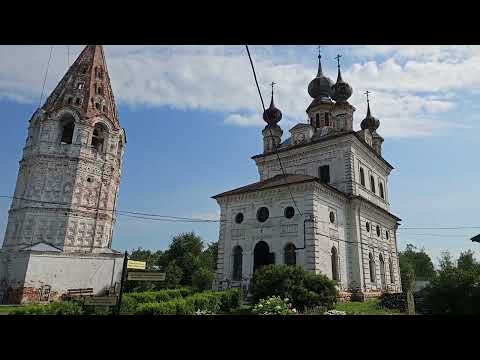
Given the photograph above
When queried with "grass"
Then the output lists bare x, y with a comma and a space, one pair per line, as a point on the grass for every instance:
369, 307
5, 310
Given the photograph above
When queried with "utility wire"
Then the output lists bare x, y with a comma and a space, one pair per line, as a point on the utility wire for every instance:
152, 216
45, 77
271, 134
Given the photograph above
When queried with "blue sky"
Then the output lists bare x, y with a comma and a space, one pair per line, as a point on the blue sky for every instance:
193, 120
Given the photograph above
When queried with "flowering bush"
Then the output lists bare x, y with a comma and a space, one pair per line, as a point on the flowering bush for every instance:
335, 312
274, 305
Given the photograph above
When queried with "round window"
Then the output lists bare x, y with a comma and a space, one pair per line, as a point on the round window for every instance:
239, 218
289, 212
332, 217
367, 225
89, 180
262, 214
378, 230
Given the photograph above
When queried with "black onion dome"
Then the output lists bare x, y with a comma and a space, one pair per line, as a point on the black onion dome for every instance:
321, 86
341, 90
371, 123
272, 115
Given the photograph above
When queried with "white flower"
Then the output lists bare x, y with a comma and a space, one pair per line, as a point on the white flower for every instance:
294, 310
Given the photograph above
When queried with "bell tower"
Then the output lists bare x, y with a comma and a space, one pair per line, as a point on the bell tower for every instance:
69, 176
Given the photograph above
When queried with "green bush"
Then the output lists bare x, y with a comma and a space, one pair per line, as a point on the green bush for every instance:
274, 305
208, 301
303, 288
55, 308
202, 279
130, 301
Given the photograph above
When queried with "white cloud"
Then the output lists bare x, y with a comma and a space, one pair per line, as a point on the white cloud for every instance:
412, 87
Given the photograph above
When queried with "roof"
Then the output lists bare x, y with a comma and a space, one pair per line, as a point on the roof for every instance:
321, 139
476, 238
276, 181
42, 247
288, 179
87, 78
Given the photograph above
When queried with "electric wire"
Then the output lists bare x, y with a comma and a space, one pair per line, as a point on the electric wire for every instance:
271, 134
45, 77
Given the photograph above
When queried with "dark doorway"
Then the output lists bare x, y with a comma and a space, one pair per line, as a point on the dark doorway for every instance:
262, 256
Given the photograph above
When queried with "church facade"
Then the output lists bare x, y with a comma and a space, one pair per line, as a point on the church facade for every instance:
61, 220
325, 206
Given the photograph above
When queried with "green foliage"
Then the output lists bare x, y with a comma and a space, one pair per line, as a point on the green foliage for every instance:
173, 275
172, 307
130, 301
274, 305
422, 263
205, 302
304, 288
456, 289
407, 274
368, 307
202, 279
208, 259
152, 259
55, 308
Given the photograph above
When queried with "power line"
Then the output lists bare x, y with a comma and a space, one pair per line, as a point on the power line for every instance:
271, 134
45, 77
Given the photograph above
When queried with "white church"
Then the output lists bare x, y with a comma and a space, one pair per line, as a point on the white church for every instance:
325, 206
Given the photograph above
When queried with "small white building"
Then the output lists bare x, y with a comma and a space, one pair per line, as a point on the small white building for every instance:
326, 210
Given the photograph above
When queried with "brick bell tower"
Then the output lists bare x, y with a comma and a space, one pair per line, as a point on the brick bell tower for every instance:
61, 221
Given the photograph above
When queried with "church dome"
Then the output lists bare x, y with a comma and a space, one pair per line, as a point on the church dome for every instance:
341, 90
370, 122
272, 115
321, 86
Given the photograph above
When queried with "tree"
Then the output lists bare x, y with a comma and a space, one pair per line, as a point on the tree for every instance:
173, 275
208, 259
202, 279
456, 289
421, 262
151, 259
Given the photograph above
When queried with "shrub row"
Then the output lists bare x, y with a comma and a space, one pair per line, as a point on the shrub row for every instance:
56, 308
208, 301
130, 301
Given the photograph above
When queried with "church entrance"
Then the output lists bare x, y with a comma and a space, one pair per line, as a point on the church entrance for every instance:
262, 256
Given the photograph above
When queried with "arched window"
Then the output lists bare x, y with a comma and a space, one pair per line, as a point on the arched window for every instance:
371, 265
392, 276
237, 263
98, 137
362, 177
382, 194
290, 256
68, 126
69, 101
334, 259
317, 121
372, 183
382, 271
120, 151
77, 101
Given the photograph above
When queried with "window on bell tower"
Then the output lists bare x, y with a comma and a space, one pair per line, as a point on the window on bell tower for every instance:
324, 174
362, 177
317, 121
372, 183
327, 119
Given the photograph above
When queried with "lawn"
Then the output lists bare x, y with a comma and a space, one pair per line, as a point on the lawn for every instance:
4, 310
369, 307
